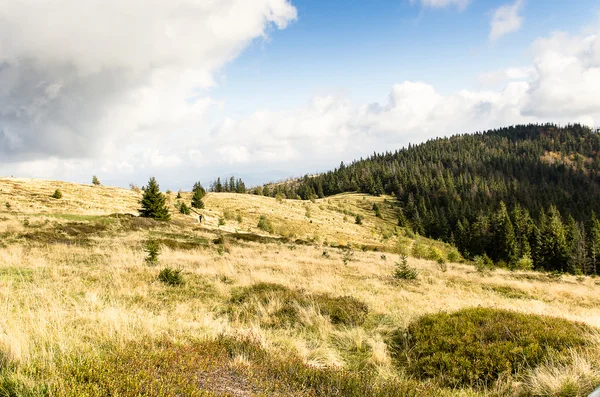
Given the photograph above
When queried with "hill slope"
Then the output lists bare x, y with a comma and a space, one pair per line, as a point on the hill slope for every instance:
294, 312
506, 193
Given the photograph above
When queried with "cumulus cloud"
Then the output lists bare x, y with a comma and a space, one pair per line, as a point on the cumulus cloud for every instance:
460, 4
125, 118
87, 77
506, 19
561, 86
503, 76
569, 77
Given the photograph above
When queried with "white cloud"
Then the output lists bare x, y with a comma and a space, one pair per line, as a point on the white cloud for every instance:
506, 19
560, 86
460, 4
569, 77
69, 118
85, 78
503, 76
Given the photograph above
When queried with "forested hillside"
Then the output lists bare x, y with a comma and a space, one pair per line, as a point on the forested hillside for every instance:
523, 195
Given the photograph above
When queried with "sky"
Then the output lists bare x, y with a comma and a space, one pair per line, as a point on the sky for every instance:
188, 90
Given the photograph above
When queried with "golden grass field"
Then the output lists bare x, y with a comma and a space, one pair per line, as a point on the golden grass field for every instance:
74, 285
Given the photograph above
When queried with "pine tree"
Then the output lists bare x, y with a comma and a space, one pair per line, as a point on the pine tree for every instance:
197, 199
198, 187
95, 180
153, 203
505, 243
218, 186
578, 253
554, 247
594, 243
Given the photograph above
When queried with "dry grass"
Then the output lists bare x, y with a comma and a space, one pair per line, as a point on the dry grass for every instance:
62, 300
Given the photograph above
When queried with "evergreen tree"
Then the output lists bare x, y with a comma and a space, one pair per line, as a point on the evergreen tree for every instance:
554, 247
578, 253
197, 199
95, 181
153, 203
198, 187
504, 246
594, 243
218, 186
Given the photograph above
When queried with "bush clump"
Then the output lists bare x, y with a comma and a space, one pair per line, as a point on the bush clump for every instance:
204, 368
265, 224
184, 209
474, 347
57, 194
246, 302
342, 310
171, 276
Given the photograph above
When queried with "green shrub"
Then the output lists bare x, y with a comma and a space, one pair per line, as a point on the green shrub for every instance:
245, 300
152, 249
265, 224
525, 263
377, 210
404, 271
7, 205
474, 347
454, 256
184, 209
419, 250
441, 262
171, 276
221, 222
483, 263
207, 368
57, 194
358, 220
344, 310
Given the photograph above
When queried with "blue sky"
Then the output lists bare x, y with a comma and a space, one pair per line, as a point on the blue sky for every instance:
195, 89
361, 48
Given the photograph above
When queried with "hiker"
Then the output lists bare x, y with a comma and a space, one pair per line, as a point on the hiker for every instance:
200, 218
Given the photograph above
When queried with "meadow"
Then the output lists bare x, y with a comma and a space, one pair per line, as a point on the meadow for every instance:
305, 306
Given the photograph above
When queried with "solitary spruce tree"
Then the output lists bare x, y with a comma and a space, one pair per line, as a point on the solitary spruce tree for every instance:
95, 180
197, 199
153, 203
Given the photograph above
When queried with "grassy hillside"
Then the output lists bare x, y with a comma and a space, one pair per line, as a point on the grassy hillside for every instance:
523, 192
292, 312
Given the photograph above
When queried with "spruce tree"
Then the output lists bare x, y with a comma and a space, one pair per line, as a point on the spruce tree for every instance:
578, 252
554, 246
505, 244
153, 203
197, 199
198, 187
594, 243
95, 180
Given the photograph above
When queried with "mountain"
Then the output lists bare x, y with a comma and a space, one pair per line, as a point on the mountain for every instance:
526, 193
